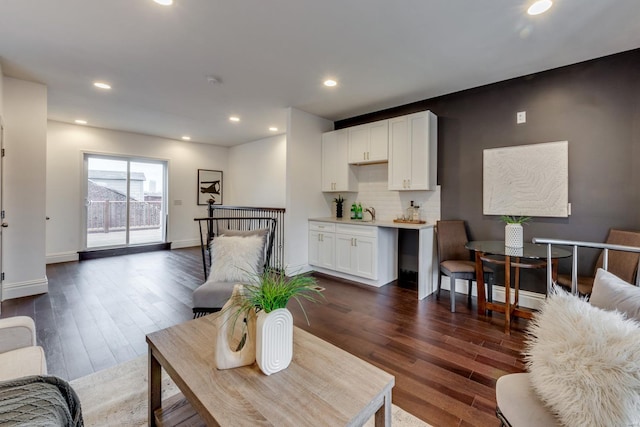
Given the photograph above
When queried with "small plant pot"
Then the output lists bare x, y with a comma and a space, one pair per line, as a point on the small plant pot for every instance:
338, 210
513, 236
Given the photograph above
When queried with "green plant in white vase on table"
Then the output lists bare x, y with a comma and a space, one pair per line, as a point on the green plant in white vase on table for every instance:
513, 233
266, 298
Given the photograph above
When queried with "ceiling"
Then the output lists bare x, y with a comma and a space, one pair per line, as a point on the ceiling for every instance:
270, 55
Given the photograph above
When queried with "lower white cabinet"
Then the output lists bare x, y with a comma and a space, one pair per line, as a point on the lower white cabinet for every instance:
354, 251
322, 244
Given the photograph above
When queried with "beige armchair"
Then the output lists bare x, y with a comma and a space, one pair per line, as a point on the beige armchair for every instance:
19, 354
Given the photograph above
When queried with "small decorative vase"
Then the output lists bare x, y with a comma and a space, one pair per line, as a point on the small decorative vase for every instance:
513, 236
338, 210
274, 340
235, 343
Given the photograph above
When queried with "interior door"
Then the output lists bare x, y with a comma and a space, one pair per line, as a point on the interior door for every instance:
2, 220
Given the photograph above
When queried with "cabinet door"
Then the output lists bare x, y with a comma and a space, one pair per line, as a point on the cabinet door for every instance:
358, 143
329, 153
321, 249
344, 248
419, 158
314, 248
327, 250
399, 153
345, 176
365, 257
378, 141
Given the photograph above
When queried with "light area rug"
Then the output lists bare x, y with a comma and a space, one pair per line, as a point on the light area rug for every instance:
117, 396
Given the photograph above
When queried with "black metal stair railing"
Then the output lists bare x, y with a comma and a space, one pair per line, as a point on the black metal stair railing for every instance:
277, 256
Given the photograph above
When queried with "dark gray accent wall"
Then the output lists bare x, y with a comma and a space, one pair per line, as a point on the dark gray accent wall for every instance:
595, 105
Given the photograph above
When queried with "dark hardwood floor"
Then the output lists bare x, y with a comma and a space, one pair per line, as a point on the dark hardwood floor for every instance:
97, 313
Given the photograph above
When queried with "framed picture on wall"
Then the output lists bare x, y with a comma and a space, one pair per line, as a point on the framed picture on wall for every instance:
209, 187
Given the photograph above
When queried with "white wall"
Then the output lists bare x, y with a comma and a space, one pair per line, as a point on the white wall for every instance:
1, 93
66, 145
256, 173
23, 252
303, 196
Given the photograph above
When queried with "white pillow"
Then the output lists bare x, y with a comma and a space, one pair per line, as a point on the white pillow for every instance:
235, 258
612, 293
585, 362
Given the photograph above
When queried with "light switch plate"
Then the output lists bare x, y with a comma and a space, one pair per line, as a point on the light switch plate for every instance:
521, 117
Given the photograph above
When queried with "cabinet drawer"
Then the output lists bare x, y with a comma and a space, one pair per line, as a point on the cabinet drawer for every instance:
357, 230
327, 227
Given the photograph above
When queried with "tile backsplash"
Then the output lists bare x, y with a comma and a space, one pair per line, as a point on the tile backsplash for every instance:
373, 191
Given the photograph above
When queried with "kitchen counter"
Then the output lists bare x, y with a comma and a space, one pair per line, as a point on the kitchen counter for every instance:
428, 269
377, 223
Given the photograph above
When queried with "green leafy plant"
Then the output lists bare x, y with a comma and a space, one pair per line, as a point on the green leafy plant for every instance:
339, 199
271, 290
522, 220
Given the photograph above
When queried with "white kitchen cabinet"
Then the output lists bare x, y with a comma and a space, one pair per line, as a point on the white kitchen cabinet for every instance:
369, 143
322, 244
354, 251
356, 255
337, 173
413, 151
357, 250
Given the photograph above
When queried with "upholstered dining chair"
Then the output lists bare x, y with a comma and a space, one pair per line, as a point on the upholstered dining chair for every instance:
455, 260
622, 264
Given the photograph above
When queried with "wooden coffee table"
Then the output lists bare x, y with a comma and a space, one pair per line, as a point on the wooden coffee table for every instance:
324, 385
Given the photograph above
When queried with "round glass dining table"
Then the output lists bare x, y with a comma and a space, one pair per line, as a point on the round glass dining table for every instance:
530, 256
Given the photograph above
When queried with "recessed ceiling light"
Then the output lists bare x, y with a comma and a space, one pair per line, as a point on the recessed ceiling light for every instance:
186, 138
273, 129
81, 122
164, 2
541, 6
234, 119
102, 85
330, 83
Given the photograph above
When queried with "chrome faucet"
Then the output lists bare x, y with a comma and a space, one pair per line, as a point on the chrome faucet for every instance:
372, 211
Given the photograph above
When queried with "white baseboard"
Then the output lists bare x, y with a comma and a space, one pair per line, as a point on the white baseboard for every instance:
370, 282
25, 289
527, 299
184, 243
295, 270
61, 257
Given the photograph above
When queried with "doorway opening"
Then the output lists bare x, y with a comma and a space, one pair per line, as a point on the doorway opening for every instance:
125, 201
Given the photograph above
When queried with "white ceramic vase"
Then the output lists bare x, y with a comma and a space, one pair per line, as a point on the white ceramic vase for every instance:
513, 236
274, 340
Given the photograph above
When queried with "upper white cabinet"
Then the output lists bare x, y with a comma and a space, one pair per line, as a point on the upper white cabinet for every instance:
413, 151
369, 143
337, 173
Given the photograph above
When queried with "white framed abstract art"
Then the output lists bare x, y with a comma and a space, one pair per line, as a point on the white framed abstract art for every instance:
526, 180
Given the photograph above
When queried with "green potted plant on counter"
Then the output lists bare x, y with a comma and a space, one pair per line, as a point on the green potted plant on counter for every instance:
339, 205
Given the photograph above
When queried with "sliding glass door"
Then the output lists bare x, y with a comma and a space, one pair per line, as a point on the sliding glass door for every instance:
125, 201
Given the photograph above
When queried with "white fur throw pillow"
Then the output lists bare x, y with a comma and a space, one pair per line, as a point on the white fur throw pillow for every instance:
585, 362
235, 258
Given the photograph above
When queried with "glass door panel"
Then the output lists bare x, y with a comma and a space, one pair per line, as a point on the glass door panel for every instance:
146, 204
106, 202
